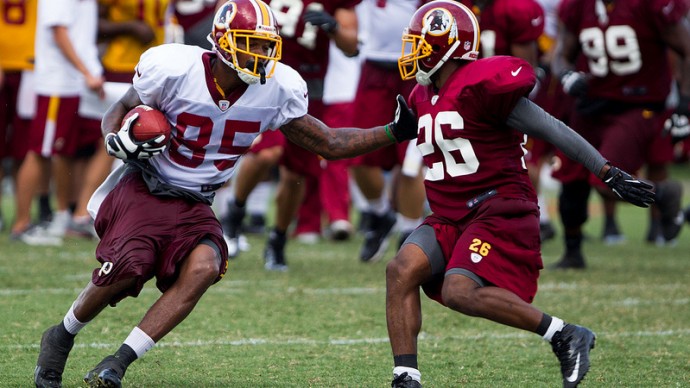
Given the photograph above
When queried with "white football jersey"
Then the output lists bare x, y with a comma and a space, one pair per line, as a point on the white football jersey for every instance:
54, 73
210, 133
383, 26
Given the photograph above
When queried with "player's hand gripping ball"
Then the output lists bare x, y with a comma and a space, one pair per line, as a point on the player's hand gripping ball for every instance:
145, 132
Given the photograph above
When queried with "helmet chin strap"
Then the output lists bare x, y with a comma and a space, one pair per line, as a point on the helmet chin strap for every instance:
424, 77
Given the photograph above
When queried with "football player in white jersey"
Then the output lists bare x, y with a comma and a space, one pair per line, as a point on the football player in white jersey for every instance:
153, 214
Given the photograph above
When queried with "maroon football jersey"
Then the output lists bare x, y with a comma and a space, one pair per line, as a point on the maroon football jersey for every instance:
466, 145
305, 48
622, 46
505, 22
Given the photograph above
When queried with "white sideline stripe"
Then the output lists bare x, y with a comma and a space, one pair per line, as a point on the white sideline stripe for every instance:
351, 341
238, 286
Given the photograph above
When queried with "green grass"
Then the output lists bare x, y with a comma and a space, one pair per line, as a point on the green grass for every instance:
322, 324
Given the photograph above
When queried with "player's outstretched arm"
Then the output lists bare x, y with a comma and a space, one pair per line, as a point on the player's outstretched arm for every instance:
340, 143
534, 121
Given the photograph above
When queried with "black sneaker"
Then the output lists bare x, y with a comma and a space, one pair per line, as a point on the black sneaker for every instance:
573, 260
572, 345
376, 239
364, 224
256, 224
107, 374
55, 348
668, 197
405, 381
546, 231
232, 226
274, 254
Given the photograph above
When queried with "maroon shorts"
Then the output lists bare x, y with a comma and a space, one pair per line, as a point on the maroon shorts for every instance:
500, 244
626, 139
143, 236
13, 129
55, 129
375, 105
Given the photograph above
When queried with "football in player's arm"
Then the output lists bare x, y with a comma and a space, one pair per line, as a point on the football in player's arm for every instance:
153, 214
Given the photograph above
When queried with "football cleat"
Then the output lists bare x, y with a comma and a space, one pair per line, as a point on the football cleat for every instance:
107, 374
36, 235
612, 235
404, 380
274, 254
341, 230
376, 239
572, 345
52, 357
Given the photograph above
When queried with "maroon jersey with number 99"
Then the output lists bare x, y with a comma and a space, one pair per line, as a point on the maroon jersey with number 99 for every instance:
622, 46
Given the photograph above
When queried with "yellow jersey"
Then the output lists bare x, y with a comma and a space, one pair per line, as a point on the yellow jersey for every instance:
17, 32
122, 52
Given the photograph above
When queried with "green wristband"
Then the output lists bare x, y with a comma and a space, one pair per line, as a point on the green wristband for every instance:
389, 134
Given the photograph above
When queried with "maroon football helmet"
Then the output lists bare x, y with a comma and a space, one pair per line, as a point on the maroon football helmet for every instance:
438, 31
237, 26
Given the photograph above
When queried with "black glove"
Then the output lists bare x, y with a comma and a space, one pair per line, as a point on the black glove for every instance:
628, 188
678, 125
321, 19
404, 125
574, 83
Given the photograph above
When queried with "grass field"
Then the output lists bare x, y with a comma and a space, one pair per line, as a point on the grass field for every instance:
322, 324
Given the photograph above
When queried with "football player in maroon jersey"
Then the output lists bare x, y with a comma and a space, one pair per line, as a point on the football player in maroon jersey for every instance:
612, 56
479, 252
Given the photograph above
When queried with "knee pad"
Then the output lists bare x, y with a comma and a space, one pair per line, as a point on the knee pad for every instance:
572, 203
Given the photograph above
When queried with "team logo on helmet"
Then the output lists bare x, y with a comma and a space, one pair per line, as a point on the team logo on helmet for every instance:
438, 21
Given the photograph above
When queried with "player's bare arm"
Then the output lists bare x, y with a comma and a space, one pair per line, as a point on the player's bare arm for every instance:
334, 143
340, 143
112, 119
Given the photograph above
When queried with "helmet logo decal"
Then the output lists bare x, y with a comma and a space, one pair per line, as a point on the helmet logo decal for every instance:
438, 21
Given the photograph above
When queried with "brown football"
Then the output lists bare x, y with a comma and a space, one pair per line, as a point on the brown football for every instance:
150, 124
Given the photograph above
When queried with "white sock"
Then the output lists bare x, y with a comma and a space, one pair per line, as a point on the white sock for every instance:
379, 206
555, 326
412, 372
139, 341
406, 224
72, 324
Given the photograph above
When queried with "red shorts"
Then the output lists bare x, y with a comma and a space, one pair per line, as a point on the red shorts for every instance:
500, 244
143, 235
375, 105
626, 139
13, 129
58, 129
